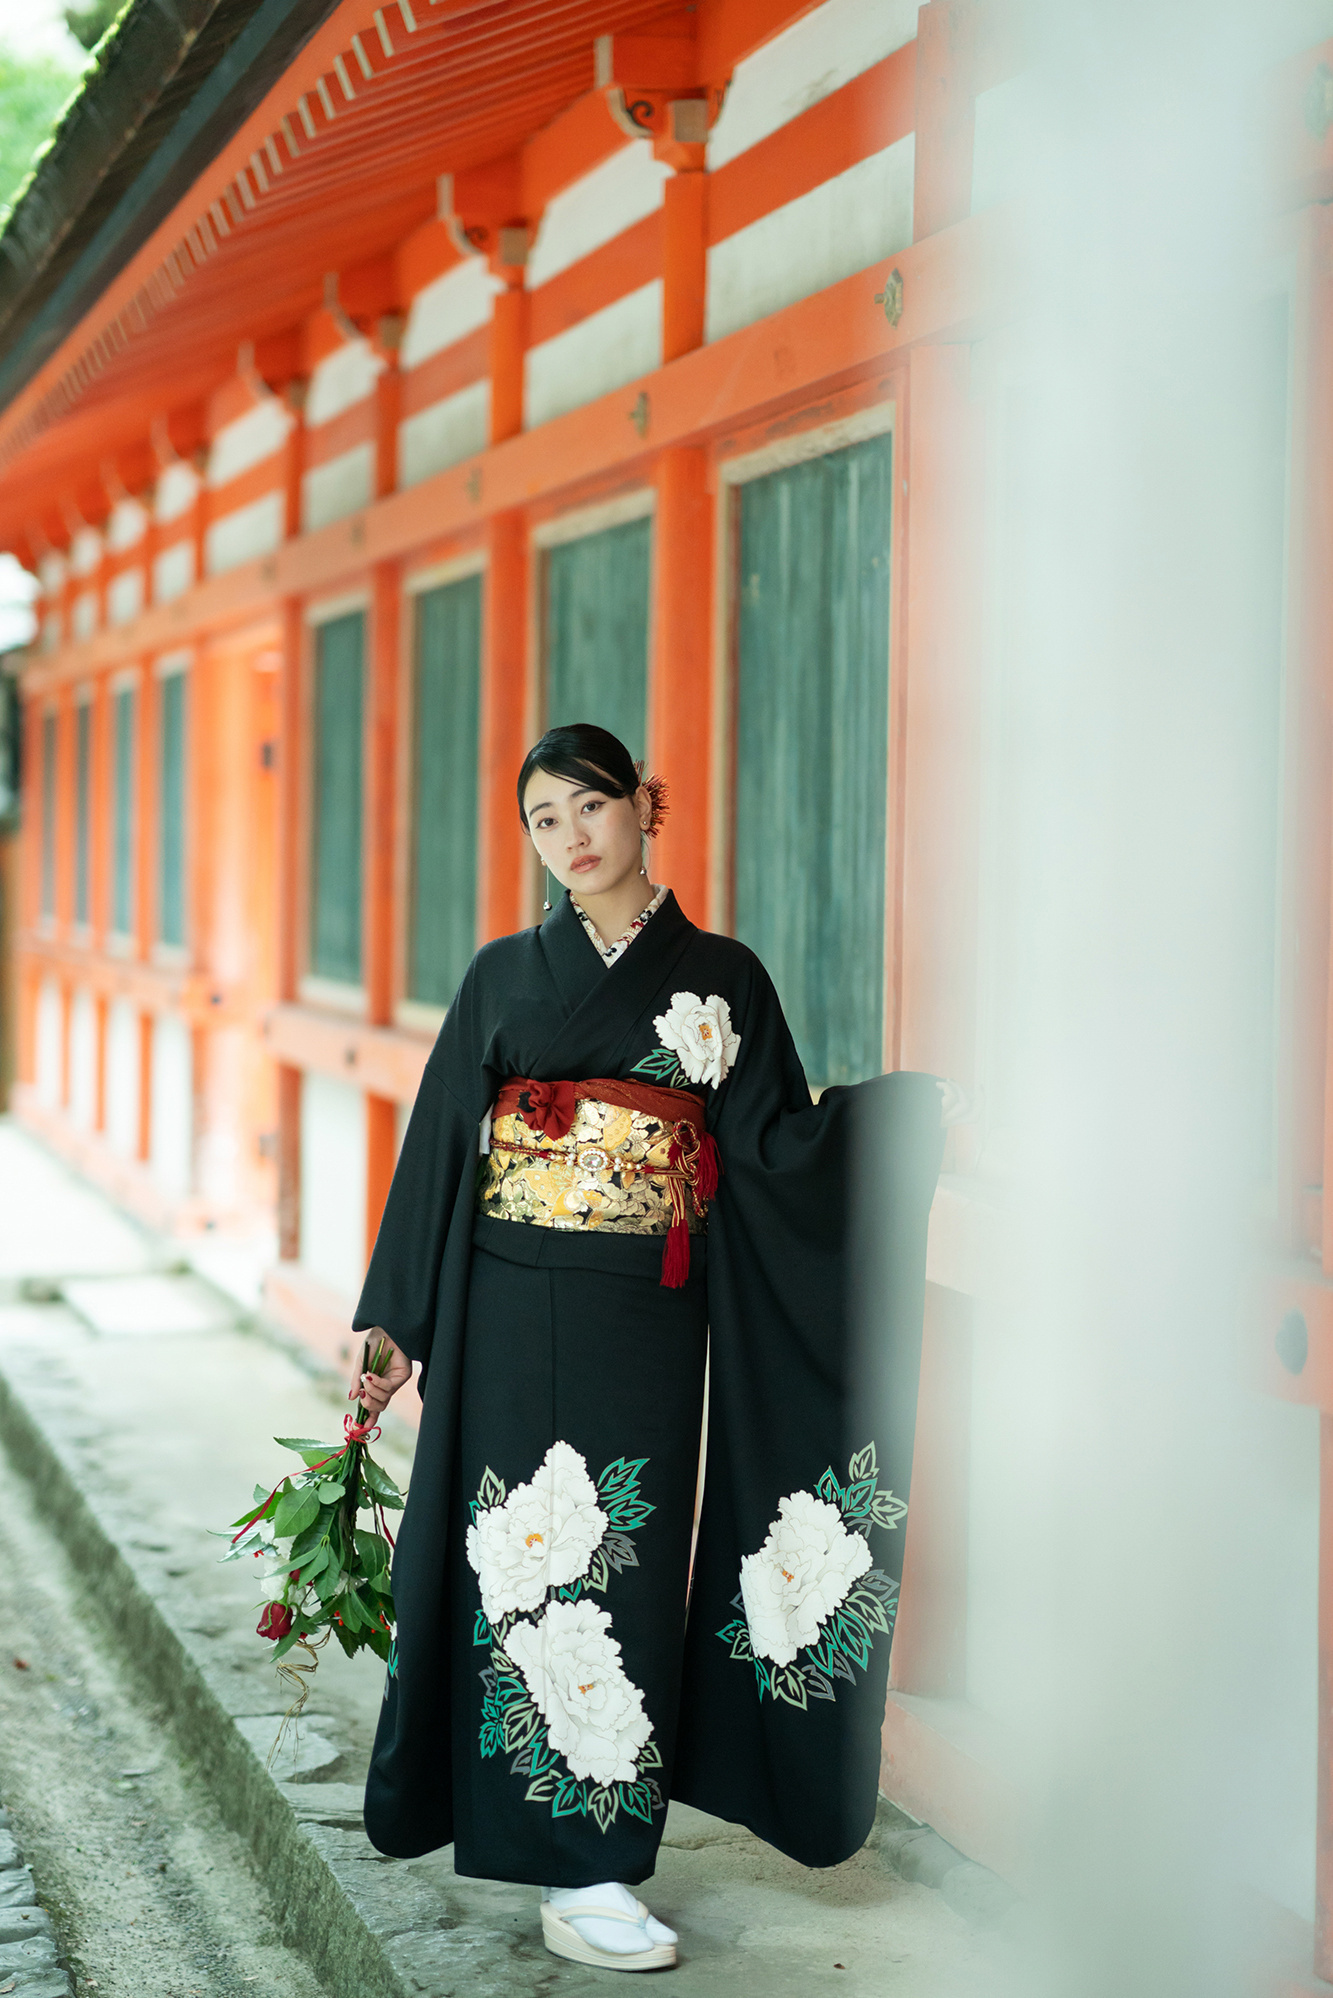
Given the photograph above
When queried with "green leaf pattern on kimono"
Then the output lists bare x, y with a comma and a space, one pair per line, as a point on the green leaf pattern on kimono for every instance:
542, 1553
812, 1602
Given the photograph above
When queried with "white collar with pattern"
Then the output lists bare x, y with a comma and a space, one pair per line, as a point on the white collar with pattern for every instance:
609, 952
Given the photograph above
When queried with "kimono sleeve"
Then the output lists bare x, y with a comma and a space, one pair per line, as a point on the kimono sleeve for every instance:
816, 1278
433, 1186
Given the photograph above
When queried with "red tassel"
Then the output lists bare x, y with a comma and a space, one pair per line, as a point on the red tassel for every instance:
709, 1169
676, 1257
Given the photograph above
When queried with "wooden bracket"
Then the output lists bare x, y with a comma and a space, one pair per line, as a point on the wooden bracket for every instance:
483, 210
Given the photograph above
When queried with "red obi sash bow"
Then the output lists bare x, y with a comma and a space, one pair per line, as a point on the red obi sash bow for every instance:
693, 1167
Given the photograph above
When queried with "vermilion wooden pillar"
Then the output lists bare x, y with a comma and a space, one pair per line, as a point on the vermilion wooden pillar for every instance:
500, 856
680, 702
684, 258
388, 409
504, 633
381, 848
289, 913
509, 342
680, 705
293, 460
946, 55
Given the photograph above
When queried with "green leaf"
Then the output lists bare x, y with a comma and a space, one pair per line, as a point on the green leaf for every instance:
864, 1464
374, 1551
886, 1510
605, 1805
521, 1722
870, 1611
303, 1443
492, 1737
349, 1609
297, 1510
379, 1484
829, 1488
637, 1799
650, 1756
598, 1574
570, 1800
629, 1513
541, 1789
328, 1494
789, 1685
491, 1490
856, 1499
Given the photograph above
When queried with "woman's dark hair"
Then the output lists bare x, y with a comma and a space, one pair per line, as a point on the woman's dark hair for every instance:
584, 754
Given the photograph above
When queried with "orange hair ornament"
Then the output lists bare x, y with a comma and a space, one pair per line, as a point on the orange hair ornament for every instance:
656, 787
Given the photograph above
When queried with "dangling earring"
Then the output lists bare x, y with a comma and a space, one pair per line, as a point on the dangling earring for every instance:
547, 907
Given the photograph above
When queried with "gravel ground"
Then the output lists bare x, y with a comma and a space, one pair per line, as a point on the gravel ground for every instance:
148, 1890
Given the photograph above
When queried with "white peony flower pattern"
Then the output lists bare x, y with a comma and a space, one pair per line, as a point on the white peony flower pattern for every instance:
593, 1712
802, 1573
700, 1035
556, 1697
812, 1599
542, 1536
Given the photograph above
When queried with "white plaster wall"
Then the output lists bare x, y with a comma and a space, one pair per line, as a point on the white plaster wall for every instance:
444, 434
1003, 148
83, 616
171, 1124
83, 1060
173, 571
338, 487
124, 597
176, 488
808, 61
341, 379
836, 229
248, 440
597, 207
333, 1182
48, 1051
122, 1078
129, 518
447, 309
601, 353
218, 1144
85, 551
243, 534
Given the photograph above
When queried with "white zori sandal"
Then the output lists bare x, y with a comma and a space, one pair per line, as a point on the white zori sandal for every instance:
607, 1927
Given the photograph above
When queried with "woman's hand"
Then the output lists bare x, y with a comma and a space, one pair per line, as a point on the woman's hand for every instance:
377, 1390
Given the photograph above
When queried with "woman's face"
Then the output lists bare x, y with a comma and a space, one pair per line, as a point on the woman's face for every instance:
588, 840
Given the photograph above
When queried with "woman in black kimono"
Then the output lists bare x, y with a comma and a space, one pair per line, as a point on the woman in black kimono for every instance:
613, 1168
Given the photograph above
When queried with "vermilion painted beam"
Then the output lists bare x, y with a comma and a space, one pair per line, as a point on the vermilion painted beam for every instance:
952, 284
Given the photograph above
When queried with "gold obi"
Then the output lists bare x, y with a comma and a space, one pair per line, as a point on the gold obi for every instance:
612, 1170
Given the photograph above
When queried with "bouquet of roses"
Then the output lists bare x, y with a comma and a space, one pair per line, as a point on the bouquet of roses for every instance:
323, 1574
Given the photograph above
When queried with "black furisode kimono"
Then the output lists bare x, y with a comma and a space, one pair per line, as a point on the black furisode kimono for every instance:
548, 1691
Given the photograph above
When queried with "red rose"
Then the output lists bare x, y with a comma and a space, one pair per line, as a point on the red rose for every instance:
276, 1620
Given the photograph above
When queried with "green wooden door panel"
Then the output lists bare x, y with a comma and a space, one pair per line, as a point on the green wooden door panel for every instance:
597, 598
335, 872
124, 718
49, 741
812, 748
444, 789
83, 772
171, 810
